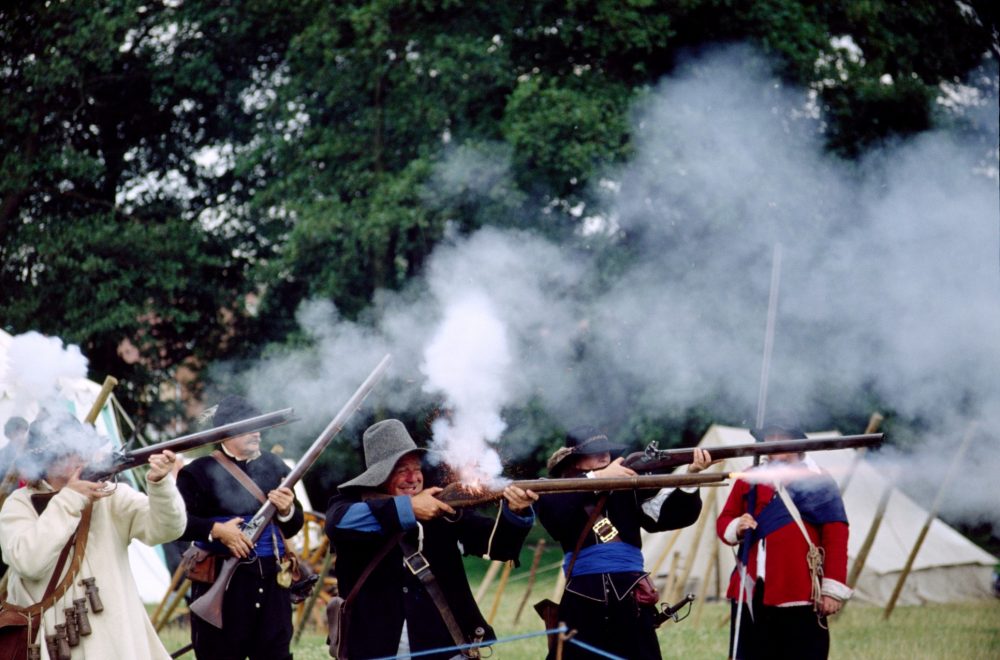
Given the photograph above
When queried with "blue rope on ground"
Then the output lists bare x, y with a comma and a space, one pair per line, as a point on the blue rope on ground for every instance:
501, 640
594, 649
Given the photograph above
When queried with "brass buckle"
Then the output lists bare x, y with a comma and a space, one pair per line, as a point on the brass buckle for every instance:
417, 563
605, 530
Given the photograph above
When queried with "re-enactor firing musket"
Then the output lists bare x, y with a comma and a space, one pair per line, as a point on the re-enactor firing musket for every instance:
658, 460
121, 460
209, 605
459, 495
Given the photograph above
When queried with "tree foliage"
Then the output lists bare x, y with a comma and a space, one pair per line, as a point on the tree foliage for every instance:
162, 160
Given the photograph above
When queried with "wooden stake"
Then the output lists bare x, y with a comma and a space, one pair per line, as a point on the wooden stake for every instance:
491, 573
539, 547
500, 587
668, 585
663, 556
713, 568
931, 515
175, 582
560, 585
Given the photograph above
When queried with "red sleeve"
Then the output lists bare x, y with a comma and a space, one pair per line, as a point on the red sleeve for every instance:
833, 539
734, 508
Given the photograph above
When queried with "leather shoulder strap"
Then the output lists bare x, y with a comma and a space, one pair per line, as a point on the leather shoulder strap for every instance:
239, 475
57, 588
420, 567
379, 556
594, 515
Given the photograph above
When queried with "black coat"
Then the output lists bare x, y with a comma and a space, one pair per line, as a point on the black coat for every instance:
256, 611
391, 593
598, 605
564, 514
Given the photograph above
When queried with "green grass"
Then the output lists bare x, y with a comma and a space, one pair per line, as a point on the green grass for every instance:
967, 631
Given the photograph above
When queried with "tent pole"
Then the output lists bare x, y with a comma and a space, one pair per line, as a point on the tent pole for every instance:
931, 515
675, 593
772, 313
663, 557
874, 422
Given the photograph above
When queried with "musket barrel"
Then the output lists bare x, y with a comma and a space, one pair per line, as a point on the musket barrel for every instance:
137, 457
653, 460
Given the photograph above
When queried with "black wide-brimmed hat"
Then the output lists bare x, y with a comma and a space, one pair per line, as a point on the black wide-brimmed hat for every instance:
785, 428
385, 443
581, 441
234, 408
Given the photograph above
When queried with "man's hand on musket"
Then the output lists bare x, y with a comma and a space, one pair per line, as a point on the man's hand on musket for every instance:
160, 465
230, 534
428, 507
743, 523
92, 490
518, 499
829, 605
614, 469
702, 459
283, 500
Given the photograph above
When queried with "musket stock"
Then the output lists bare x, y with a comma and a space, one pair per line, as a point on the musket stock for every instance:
657, 460
127, 460
209, 605
458, 495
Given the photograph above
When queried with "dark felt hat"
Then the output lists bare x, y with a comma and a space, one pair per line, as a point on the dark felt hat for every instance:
785, 428
234, 408
581, 441
385, 443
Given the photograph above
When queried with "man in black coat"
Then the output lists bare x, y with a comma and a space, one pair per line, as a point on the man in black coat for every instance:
257, 610
609, 599
393, 612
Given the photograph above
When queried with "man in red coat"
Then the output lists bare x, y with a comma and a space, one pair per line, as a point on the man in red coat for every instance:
789, 584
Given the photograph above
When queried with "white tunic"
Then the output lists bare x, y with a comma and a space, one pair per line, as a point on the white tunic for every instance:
31, 545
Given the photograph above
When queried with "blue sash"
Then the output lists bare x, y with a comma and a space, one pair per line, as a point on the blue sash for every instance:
817, 499
263, 548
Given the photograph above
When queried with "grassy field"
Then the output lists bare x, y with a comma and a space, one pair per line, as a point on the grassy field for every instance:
969, 631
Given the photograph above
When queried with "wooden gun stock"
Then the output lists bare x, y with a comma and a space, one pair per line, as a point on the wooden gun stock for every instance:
209, 605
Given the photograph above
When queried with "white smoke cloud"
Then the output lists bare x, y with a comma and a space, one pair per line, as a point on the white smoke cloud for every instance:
35, 365
467, 361
889, 282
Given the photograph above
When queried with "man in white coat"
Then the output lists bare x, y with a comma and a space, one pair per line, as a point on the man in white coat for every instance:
37, 521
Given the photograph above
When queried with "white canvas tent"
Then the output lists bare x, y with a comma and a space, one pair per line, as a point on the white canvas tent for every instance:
79, 394
948, 568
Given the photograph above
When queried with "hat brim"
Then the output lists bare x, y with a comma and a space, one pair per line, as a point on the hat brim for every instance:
377, 474
557, 464
791, 432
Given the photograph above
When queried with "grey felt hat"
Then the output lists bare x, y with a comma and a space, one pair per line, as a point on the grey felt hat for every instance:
385, 443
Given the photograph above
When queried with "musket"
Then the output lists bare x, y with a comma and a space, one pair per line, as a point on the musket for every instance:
209, 605
126, 460
458, 495
657, 460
